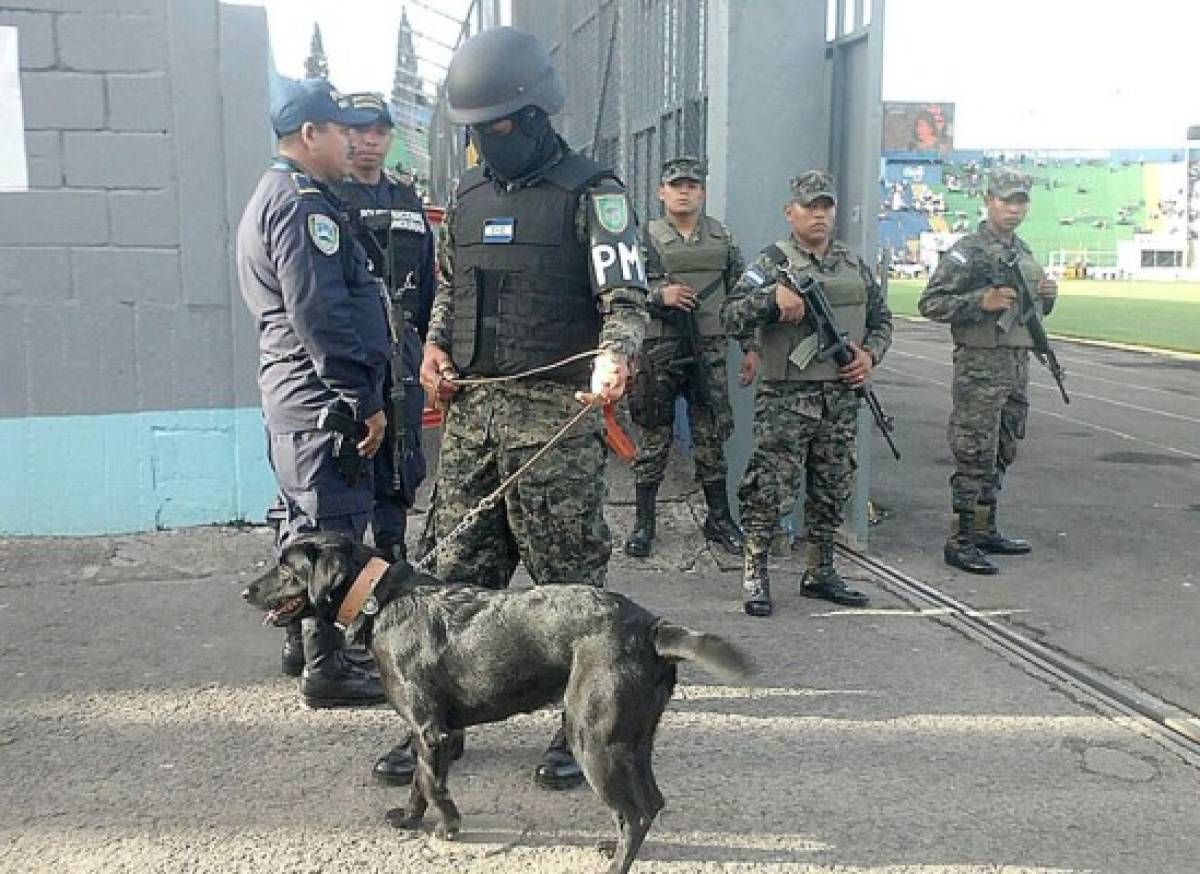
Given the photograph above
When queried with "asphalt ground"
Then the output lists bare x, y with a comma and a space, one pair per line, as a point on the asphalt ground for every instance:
1106, 488
144, 725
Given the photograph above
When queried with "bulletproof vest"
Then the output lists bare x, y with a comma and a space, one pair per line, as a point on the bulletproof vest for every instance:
845, 289
698, 264
393, 234
986, 333
522, 290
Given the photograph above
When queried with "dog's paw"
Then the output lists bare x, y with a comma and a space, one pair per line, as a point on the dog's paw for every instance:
606, 847
446, 832
398, 817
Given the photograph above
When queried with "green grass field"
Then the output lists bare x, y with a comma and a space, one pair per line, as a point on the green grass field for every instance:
1162, 315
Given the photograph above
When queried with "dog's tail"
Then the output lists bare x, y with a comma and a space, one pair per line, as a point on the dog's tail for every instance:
715, 654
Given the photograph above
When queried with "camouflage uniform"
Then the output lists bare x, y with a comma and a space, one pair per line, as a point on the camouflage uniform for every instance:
804, 418
991, 356
685, 355
805, 415
553, 520
711, 424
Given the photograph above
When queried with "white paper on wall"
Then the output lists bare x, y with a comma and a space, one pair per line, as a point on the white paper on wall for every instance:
14, 175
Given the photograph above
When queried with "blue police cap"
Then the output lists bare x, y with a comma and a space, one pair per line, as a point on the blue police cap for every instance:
296, 101
373, 103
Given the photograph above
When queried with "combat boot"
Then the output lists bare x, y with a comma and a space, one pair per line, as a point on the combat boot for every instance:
330, 677
756, 584
558, 768
988, 537
719, 526
961, 551
637, 544
821, 578
292, 657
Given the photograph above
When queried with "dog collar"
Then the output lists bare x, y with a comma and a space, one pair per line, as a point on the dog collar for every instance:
359, 599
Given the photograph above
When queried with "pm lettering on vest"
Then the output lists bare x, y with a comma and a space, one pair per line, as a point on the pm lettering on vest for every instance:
617, 264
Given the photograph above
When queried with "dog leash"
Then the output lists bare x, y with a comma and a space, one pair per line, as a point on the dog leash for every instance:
491, 500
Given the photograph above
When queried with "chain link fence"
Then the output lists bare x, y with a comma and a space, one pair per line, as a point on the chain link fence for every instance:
636, 86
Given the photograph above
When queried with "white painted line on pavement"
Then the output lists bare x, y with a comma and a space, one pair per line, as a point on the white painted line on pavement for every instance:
1112, 431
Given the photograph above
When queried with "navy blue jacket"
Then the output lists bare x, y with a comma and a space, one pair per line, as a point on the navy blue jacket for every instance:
320, 315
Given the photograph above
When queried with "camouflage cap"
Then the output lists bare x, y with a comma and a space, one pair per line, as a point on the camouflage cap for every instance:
684, 167
1005, 182
809, 186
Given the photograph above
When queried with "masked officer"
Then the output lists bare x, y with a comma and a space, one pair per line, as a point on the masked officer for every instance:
969, 289
691, 262
805, 409
390, 224
323, 351
539, 263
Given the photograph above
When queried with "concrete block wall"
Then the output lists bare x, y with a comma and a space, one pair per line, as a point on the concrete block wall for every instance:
127, 399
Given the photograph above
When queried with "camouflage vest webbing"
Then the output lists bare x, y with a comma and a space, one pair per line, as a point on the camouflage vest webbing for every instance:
700, 264
841, 275
985, 255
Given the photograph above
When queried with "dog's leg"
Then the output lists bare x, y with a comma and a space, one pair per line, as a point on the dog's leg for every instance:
450, 820
432, 748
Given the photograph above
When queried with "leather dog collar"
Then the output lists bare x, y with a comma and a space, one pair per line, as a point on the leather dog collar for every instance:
360, 591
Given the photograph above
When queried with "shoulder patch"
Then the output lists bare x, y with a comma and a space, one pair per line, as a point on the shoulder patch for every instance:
612, 211
324, 232
959, 256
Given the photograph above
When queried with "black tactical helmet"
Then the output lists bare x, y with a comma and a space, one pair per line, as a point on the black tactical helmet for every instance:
499, 71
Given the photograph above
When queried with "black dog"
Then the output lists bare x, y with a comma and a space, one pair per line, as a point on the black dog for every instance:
454, 656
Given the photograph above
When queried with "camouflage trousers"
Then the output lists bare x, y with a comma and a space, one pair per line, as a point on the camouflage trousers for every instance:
710, 424
991, 405
552, 519
804, 436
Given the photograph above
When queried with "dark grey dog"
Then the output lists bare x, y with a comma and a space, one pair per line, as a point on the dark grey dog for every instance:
455, 656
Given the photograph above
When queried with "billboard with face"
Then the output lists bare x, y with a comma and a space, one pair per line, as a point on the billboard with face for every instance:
918, 127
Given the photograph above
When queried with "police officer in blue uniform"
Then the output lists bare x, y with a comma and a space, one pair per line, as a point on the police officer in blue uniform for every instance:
390, 224
324, 350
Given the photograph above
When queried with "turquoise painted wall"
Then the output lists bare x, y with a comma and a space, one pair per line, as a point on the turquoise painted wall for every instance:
117, 473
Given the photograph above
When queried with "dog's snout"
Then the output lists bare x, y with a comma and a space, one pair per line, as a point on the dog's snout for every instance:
246, 594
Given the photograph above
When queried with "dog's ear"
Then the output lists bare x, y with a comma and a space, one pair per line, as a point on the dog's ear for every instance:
330, 568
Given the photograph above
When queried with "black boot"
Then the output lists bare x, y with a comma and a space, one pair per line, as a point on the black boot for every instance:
637, 544
331, 678
821, 578
719, 526
961, 551
558, 768
988, 537
292, 657
397, 765
756, 585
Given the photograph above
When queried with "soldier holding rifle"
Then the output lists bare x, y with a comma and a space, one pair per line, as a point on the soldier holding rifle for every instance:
982, 287
692, 261
806, 406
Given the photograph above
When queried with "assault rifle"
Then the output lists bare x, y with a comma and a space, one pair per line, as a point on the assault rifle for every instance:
347, 433
833, 343
1027, 311
685, 324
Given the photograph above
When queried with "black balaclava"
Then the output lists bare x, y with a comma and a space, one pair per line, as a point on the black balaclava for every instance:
522, 151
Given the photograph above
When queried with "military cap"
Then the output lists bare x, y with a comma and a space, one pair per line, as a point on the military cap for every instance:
1005, 182
295, 101
808, 186
375, 104
684, 167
